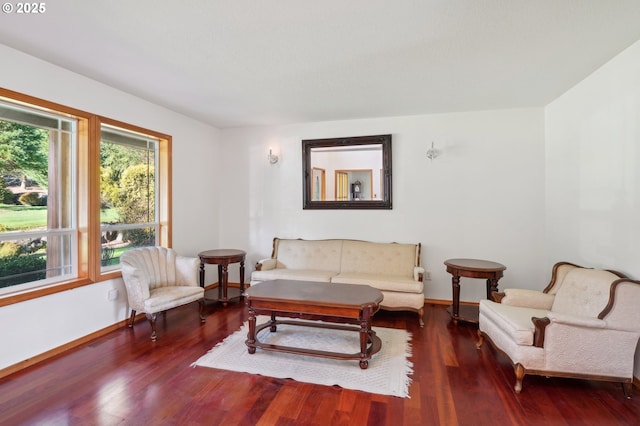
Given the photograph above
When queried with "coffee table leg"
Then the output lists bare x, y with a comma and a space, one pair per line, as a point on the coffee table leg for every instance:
274, 326
251, 337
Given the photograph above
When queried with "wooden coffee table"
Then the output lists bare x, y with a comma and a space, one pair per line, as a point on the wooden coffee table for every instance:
334, 304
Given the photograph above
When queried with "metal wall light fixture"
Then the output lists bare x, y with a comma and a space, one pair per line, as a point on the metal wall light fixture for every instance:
273, 159
432, 152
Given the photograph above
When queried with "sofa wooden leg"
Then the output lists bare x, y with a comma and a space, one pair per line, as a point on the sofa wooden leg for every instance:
421, 317
132, 317
201, 310
152, 321
480, 341
626, 389
519, 369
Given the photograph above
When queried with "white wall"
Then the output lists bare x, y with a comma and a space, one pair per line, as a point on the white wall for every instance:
482, 198
36, 326
593, 170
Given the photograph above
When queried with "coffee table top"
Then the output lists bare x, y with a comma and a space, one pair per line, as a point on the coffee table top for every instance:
317, 292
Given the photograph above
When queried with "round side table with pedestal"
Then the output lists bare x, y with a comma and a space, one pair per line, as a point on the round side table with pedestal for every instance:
222, 258
471, 268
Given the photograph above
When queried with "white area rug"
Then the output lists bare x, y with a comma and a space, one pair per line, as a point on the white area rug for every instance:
387, 374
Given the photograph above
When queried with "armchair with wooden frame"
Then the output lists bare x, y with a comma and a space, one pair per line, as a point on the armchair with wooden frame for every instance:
157, 279
584, 324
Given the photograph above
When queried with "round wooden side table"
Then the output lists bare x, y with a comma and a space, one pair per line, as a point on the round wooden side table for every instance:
471, 268
222, 258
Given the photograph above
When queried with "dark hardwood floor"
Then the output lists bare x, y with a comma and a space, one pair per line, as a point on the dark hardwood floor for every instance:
124, 378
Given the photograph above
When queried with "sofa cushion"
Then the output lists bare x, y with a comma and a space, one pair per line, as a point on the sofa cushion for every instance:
318, 255
378, 258
292, 274
398, 300
380, 281
584, 292
514, 320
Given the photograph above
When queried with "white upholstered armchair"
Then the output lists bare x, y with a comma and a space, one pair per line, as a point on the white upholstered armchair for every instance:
157, 279
585, 324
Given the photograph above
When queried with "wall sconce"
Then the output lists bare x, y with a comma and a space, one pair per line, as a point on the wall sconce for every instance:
432, 153
273, 159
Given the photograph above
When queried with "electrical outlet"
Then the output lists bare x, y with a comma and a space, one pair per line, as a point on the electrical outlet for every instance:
113, 294
427, 276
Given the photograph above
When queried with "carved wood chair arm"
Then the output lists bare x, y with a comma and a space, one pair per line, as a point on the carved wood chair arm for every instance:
497, 297
538, 334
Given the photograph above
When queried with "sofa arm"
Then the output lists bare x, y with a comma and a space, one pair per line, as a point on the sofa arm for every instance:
527, 298
266, 264
418, 273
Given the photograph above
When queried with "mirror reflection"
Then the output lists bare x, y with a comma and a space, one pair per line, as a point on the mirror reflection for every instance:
351, 173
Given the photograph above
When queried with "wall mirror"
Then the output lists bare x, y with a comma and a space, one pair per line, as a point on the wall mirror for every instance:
347, 173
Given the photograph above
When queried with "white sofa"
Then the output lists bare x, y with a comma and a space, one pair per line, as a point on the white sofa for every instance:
584, 324
392, 268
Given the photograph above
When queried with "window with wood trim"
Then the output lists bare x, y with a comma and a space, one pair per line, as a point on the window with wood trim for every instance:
76, 190
128, 205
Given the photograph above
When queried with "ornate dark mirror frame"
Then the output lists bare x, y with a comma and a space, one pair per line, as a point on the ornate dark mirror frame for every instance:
309, 144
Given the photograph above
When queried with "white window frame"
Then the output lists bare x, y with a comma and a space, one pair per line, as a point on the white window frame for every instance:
17, 113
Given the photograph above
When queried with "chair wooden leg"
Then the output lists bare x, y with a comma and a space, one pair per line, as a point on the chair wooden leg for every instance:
132, 317
626, 389
201, 310
421, 316
152, 321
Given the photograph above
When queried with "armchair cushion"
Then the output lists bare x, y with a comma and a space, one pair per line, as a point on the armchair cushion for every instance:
515, 321
164, 298
527, 298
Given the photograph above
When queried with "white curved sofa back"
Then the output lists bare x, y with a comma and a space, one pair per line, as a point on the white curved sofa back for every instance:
316, 255
379, 258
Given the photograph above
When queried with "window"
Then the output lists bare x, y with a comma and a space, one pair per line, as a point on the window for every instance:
127, 193
76, 190
38, 235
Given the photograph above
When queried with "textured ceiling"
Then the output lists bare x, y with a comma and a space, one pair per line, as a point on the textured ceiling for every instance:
241, 63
